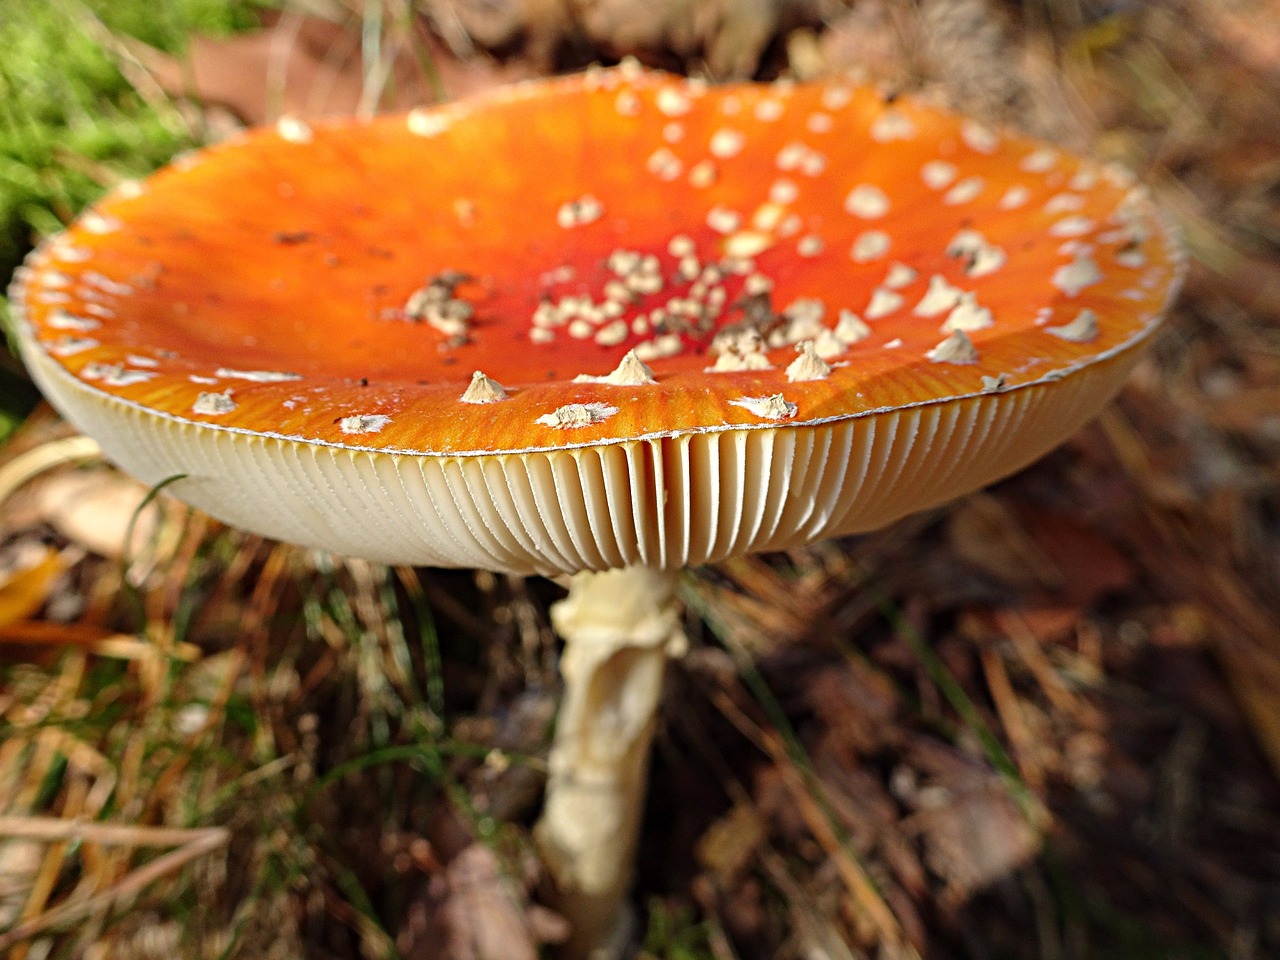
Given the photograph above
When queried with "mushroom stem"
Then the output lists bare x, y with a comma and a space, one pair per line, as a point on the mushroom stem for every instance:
618, 627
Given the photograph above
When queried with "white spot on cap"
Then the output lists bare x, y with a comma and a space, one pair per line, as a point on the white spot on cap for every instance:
1083, 329
835, 98
851, 328
364, 423
423, 122
790, 156
808, 365
667, 345
982, 257
726, 143
106, 284
772, 407
213, 404
575, 213
117, 376
938, 174
1076, 226
899, 276
991, 384
783, 191
829, 346
62, 320
56, 280
723, 220
664, 164
819, 123
681, 245
967, 315
892, 125
627, 103
1015, 197
883, 302
810, 245
68, 253
979, 137
957, 349
612, 334
631, 371
1133, 258
867, 201
70, 346
136, 361
769, 110
574, 415
672, 102
99, 223
1083, 180
1064, 203
966, 191
746, 243
702, 174
870, 245
483, 389
257, 376
294, 129
939, 298
1075, 276
673, 132
1039, 161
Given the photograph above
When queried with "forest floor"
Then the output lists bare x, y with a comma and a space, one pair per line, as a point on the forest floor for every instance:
1044, 720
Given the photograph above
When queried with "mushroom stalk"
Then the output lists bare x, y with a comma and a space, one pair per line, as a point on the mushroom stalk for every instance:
618, 626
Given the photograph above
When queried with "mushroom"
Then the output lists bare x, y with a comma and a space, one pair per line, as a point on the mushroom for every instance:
564, 412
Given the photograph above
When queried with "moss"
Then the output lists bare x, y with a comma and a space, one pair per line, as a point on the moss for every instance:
71, 124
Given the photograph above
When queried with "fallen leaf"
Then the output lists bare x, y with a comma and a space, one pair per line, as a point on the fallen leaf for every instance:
308, 66
1090, 565
477, 910
26, 591
93, 508
731, 841
971, 828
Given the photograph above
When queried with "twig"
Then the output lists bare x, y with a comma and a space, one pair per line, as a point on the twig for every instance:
193, 843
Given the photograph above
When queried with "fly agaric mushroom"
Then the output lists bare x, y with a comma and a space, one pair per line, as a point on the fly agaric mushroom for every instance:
607, 326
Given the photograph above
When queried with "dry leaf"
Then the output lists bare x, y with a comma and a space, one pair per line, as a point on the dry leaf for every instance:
731, 841
309, 67
93, 508
26, 591
972, 830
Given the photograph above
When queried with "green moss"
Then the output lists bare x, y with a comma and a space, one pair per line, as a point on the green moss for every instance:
71, 124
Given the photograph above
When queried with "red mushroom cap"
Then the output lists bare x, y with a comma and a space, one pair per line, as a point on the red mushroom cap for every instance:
607, 262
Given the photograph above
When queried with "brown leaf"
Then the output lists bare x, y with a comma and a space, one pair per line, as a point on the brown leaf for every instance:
731, 841
93, 508
972, 830
309, 67
1091, 566
478, 911
26, 591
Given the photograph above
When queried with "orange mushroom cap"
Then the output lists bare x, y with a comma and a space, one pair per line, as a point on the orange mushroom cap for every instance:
607, 319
